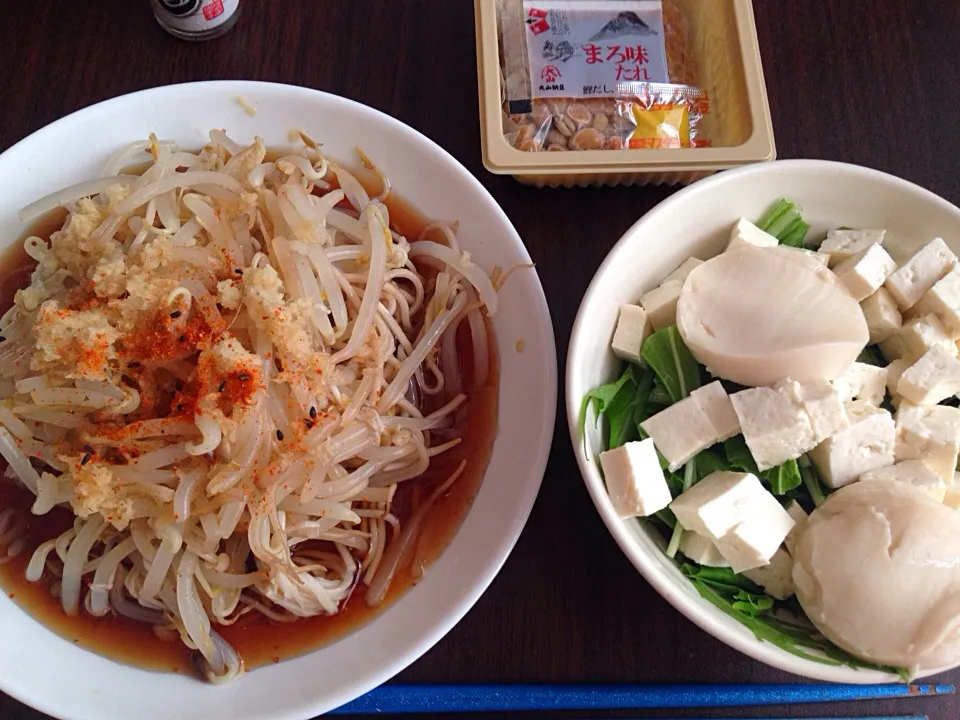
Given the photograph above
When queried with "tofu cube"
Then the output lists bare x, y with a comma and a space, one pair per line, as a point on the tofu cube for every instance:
822, 404
635, 480
864, 273
799, 516
931, 379
919, 274
753, 543
680, 274
661, 304
943, 300
862, 382
915, 338
924, 333
911, 472
842, 245
867, 444
715, 404
702, 550
775, 428
680, 431
777, 577
632, 329
882, 315
717, 504
736, 512
929, 433
746, 234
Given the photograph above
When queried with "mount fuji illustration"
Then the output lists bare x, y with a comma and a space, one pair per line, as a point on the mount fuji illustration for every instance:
626, 23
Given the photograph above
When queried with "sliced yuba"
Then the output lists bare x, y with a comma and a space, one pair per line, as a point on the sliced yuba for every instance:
876, 571
753, 317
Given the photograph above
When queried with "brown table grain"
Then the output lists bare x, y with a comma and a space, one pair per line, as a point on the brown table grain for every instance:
873, 82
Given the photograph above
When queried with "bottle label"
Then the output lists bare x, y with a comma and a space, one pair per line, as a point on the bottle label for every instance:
583, 48
194, 16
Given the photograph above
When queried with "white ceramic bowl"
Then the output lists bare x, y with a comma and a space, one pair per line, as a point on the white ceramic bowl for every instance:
51, 674
696, 222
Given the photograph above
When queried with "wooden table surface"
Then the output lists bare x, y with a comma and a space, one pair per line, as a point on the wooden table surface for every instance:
872, 82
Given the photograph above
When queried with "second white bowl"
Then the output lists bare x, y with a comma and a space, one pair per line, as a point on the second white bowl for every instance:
695, 222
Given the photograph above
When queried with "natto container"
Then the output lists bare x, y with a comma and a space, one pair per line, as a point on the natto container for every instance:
723, 36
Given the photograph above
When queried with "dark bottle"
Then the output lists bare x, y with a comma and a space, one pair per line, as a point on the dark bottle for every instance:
196, 19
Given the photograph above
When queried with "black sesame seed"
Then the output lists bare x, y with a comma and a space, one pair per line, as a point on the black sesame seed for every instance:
88, 448
175, 314
179, 407
279, 435
183, 338
222, 387
309, 423
85, 459
238, 271
2, 338
243, 377
313, 413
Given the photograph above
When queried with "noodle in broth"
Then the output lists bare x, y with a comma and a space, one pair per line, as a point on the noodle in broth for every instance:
226, 366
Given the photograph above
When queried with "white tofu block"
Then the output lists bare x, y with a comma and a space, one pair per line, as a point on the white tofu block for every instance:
952, 498
723, 501
661, 304
680, 431
745, 234
753, 543
680, 274
911, 472
882, 315
862, 382
716, 405
931, 379
799, 516
775, 428
864, 273
929, 433
943, 300
923, 334
632, 329
867, 444
701, 550
714, 506
822, 404
842, 245
635, 480
928, 265
777, 577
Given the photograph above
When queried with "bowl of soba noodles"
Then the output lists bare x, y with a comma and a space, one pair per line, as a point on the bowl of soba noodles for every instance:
277, 388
